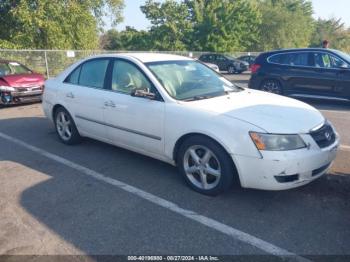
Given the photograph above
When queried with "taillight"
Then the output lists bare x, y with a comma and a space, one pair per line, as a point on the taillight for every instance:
255, 68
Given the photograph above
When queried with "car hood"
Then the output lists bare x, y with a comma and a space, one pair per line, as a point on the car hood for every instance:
24, 80
272, 113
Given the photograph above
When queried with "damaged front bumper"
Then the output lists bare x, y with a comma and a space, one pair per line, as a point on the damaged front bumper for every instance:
16, 97
287, 169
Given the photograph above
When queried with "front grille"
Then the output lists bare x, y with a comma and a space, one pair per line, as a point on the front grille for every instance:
324, 136
28, 89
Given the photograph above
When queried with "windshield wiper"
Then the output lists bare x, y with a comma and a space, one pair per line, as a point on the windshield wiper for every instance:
195, 98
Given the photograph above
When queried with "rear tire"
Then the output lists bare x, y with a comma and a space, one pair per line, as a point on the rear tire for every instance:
66, 128
232, 70
272, 86
205, 165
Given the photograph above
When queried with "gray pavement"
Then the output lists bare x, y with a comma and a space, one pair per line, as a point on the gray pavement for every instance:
47, 207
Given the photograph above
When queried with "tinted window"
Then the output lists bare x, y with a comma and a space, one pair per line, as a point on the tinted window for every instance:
211, 58
93, 73
220, 58
275, 59
298, 59
293, 59
325, 60
73, 78
126, 77
337, 62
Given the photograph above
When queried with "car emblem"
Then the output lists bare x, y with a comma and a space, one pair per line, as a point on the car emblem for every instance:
328, 136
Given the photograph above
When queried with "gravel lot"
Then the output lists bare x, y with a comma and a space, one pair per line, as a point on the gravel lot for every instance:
50, 206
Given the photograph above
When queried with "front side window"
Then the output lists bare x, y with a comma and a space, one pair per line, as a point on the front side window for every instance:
127, 78
337, 62
190, 80
93, 73
322, 60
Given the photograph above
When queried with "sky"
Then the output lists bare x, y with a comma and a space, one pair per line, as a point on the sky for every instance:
322, 8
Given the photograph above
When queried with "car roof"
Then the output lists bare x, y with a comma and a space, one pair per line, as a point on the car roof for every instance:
298, 50
148, 57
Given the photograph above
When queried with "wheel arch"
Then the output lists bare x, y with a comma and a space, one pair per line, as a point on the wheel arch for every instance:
55, 108
184, 137
274, 78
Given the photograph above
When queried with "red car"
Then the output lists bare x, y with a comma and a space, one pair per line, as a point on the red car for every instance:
19, 84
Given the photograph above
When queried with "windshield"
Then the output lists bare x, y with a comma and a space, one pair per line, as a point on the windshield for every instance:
190, 80
13, 68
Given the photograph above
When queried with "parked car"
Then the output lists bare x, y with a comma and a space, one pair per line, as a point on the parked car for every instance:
177, 110
213, 66
19, 84
310, 72
248, 58
225, 63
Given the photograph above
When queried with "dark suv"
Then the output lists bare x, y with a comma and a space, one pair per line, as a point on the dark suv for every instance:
225, 63
309, 72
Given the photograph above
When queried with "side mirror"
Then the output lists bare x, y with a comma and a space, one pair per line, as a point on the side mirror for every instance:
143, 93
344, 66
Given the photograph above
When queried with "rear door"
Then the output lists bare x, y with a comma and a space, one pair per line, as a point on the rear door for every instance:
298, 71
84, 93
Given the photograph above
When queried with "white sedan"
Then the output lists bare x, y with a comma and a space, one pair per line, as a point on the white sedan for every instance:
177, 110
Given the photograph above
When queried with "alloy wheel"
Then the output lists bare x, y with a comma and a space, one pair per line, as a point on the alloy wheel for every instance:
64, 125
271, 86
202, 167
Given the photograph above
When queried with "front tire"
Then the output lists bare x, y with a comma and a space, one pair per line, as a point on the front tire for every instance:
66, 128
205, 165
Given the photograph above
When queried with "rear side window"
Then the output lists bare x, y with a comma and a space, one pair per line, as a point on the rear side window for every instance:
299, 59
73, 78
93, 73
292, 59
276, 59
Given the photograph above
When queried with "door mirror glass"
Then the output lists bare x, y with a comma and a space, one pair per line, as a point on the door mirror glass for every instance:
145, 93
344, 66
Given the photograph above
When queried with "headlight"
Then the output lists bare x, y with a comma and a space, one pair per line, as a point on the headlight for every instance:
272, 142
7, 88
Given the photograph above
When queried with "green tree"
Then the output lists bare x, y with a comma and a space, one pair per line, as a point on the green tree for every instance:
170, 24
334, 31
208, 25
223, 25
129, 39
60, 24
285, 24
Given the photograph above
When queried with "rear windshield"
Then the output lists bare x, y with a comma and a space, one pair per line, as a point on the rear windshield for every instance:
13, 68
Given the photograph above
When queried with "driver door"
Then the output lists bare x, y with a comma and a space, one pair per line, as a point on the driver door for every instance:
134, 122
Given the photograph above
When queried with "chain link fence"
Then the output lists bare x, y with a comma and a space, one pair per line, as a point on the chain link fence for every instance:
52, 62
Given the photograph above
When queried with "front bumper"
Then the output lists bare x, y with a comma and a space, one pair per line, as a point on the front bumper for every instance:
16, 97
285, 170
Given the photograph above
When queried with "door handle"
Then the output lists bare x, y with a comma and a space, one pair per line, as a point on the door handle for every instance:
70, 95
109, 103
